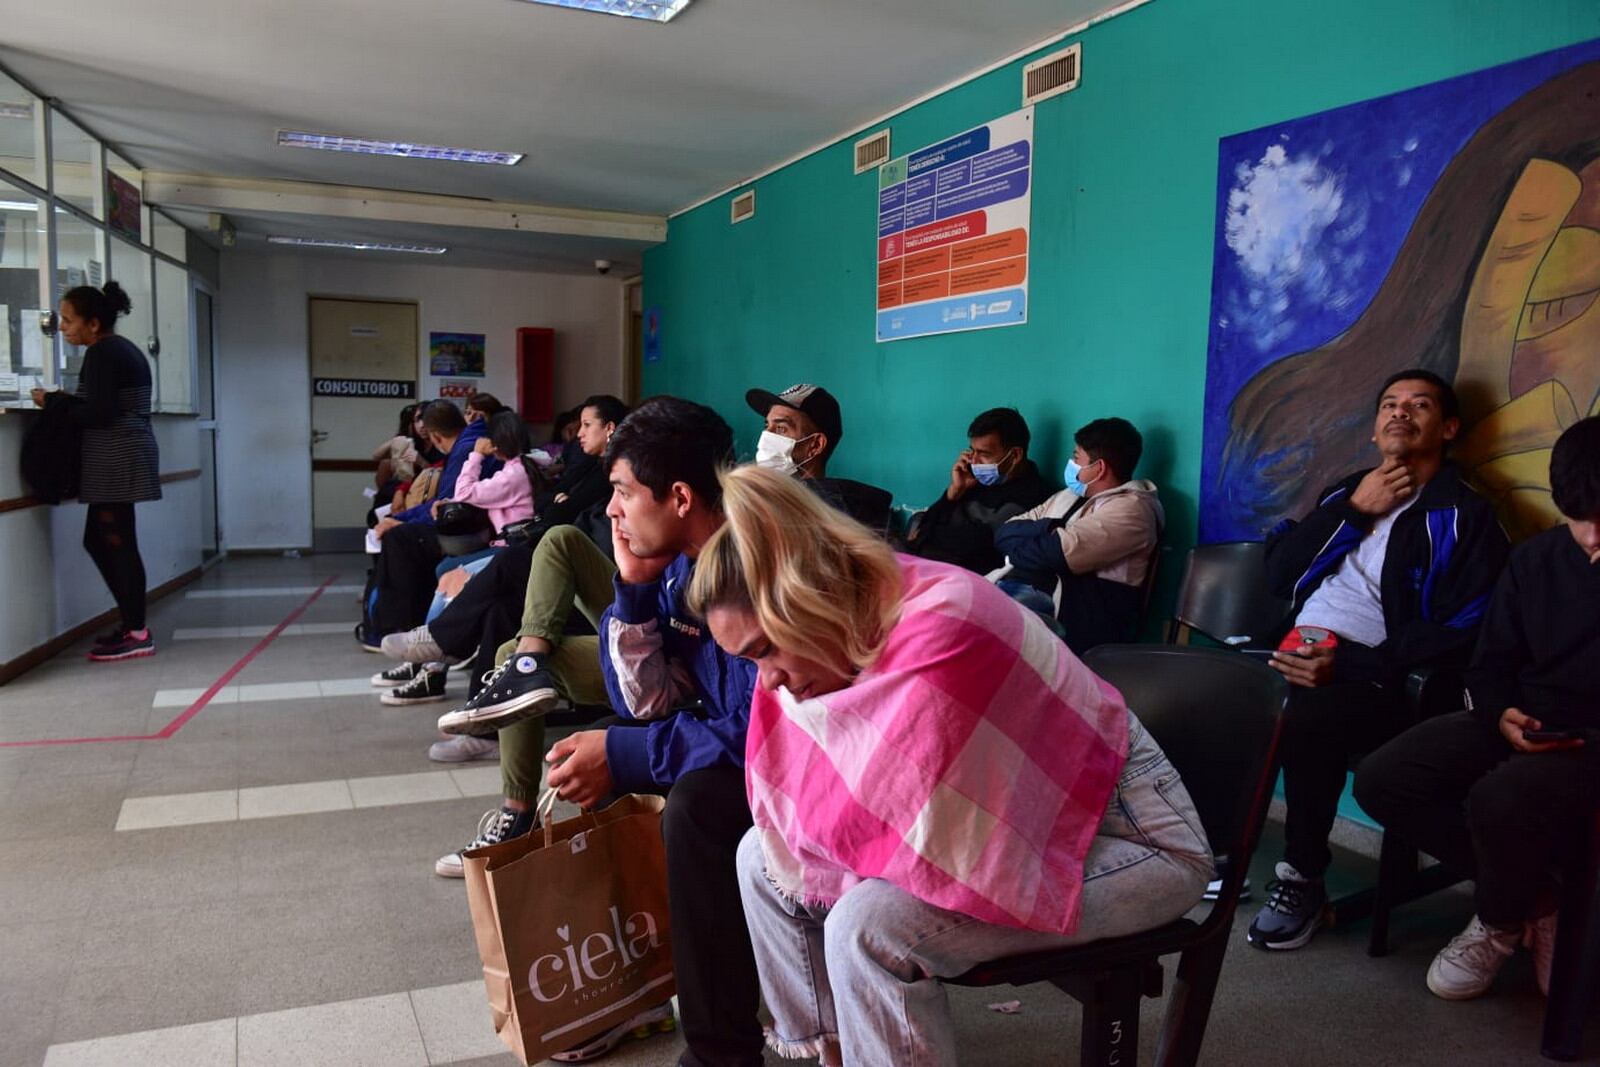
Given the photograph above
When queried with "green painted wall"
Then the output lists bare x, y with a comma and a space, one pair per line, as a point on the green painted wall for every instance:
1125, 177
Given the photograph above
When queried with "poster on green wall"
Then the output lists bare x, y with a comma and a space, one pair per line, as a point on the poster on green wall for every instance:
953, 222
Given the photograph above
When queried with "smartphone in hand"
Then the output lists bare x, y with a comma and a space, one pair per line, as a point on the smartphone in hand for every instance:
1539, 737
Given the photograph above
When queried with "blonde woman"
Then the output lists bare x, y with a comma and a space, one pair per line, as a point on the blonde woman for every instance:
935, 780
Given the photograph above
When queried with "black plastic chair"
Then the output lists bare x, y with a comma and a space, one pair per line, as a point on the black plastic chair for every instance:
1225, 595
1575, 970
1217, 716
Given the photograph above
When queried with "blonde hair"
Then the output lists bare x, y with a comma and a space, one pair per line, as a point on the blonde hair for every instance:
816, 580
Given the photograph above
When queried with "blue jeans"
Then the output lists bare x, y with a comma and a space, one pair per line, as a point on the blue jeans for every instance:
861, 979
471, 564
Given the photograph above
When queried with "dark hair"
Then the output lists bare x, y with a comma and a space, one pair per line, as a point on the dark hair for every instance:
101, 305
1575, 470
486, 403
507, 432
1447, 393
1114, 440
608, 407
408, 415
1007, 422
443, 417
668, 439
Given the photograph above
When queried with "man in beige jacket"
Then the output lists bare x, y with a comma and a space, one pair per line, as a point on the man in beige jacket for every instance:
1084, 555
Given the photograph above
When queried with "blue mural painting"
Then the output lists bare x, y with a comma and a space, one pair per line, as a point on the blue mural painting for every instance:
1346, 245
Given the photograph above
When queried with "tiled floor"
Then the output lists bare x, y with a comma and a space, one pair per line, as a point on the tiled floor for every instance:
258, 887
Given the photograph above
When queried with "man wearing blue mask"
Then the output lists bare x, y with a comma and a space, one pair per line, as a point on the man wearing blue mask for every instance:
803, 427
990, 482
1084, 555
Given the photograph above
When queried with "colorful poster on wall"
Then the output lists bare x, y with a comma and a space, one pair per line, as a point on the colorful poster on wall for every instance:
1454, 227
122, 207
953, 223
457, 389
455, 355
652, 335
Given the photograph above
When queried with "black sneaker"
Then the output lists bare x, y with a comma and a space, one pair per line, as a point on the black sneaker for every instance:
423, 689
110, 637
1292, 913
518, 689
496, 827
399, 674
129, 646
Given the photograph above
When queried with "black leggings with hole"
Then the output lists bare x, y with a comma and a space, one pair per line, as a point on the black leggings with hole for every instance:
110, 540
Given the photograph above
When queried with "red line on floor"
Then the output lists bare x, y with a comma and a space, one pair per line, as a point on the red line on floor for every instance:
205, 698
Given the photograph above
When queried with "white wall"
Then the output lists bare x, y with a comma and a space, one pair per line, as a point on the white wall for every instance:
51, 585
263, 378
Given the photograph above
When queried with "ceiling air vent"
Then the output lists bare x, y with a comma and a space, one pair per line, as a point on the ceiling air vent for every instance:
872, 151
1052, 75
744, 206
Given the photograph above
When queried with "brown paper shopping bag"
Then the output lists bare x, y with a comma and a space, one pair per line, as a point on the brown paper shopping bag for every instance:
571, 924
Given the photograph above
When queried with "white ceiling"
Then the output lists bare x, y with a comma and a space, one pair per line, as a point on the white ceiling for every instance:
613, 113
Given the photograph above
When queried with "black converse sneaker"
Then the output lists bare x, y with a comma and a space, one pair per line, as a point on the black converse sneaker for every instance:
423, 689
495, 827
399, 674
518, 689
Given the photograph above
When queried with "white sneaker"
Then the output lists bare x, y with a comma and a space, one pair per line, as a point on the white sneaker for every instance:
1465, 968
415, 646
463, 749
656, 1020
1540, 936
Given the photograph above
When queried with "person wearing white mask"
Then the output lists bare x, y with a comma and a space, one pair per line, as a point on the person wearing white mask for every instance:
1083, 556
803, 428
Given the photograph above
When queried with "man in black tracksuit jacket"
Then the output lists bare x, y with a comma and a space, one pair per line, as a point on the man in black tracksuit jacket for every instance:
1398, 562
1471, 788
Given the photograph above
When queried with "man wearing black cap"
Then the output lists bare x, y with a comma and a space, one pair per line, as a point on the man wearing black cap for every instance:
803, 428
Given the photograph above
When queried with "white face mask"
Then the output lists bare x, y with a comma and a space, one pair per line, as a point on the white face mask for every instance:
776, 452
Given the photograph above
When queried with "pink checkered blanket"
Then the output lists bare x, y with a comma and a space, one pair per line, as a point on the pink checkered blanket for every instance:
970, 766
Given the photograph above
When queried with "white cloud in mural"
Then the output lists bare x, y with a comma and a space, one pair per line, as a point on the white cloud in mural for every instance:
1293, 229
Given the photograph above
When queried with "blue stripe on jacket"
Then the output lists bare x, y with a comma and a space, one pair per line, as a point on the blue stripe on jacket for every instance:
1441, 550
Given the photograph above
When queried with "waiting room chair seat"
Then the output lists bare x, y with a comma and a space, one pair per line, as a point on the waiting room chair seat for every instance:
1218, 717
1224, 594
1575, 971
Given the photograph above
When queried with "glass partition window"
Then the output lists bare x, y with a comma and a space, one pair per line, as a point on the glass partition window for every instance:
174, 381
169, 238
75, 166
21, 132
80, 260
130, 268
23, 346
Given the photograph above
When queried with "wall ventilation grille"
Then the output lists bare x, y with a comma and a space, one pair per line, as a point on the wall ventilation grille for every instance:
1053, 75
743, 207
871, 152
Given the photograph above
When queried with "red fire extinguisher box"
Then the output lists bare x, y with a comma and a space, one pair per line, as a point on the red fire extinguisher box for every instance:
536, 373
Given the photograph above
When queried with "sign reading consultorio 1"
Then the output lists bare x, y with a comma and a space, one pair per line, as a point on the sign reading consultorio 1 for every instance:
358, 387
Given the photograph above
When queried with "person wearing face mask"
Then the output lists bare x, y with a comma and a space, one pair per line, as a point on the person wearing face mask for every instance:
1082, 557
991, 482
803, 428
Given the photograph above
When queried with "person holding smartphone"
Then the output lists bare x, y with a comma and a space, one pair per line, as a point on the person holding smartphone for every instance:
1501, 790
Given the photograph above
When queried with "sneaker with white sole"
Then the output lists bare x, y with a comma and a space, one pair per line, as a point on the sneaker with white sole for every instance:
656, 1020
1292, 913
518, 689
399, 674
463, 749
131, 646
1540, 937
423, 689
416, 646
497, 826
1465, 968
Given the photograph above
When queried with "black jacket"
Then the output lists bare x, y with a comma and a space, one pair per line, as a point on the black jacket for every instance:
1540, 647
1443, 557
50, 451
962, 531
867, 504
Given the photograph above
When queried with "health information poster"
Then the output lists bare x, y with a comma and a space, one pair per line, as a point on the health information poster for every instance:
953, 223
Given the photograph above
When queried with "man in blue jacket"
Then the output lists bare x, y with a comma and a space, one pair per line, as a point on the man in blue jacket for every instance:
685, 707
405, 578
1392, 571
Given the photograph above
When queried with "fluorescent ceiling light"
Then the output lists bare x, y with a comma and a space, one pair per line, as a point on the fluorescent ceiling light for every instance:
367, 146
15, 111
360, 246
19, 205
654, 10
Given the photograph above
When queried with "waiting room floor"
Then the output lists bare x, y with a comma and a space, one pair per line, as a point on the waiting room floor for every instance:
256, 886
